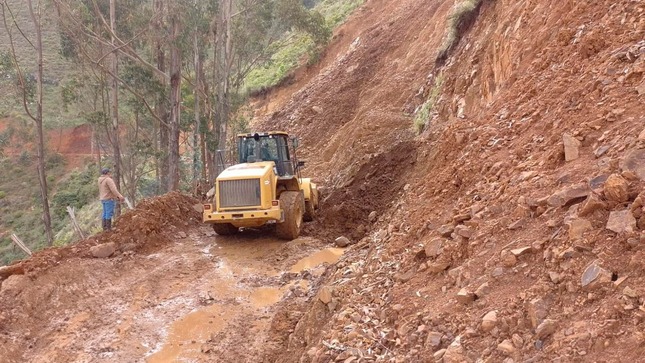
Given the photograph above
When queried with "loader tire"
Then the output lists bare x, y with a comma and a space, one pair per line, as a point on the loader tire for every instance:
309, 211
293, 205
225, 229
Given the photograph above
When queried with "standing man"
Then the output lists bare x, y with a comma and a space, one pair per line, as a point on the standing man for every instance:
108, 195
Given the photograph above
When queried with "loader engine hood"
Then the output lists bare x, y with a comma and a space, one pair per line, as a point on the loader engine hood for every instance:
247, 170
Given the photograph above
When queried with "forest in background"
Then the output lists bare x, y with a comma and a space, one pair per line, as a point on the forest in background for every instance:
162, 85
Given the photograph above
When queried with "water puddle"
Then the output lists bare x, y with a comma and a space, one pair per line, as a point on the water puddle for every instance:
189, 333
265, 296
329, 255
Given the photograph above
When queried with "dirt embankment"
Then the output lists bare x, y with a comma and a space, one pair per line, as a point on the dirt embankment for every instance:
494, 244
510, 230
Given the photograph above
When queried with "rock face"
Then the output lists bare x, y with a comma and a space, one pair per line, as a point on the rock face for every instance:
571, 147
621, 222
616, 189
103, 250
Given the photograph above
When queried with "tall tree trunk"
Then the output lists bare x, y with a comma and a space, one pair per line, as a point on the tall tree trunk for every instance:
175, 110
114, 89
222, 70
162, 146
39, 126
197, 131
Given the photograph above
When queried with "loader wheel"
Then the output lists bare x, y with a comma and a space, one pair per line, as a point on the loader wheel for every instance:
293, 205
309, 211
224, 229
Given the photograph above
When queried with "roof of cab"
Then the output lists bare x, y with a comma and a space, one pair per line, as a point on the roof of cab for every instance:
261, 134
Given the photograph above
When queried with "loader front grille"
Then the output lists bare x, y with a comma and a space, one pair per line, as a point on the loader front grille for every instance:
239, 193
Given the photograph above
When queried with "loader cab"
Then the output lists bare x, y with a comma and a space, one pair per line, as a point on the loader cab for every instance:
273, 146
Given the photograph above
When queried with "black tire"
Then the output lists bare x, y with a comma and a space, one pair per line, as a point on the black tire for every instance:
224, 229
293, 205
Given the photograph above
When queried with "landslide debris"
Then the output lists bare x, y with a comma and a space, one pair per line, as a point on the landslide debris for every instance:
518, 232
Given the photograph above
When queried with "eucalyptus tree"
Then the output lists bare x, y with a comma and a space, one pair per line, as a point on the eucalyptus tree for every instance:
37, 116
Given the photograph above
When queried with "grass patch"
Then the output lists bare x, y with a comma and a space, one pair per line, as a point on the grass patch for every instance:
422, 116
462, 13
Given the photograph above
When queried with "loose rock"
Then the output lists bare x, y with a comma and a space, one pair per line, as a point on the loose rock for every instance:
577, 228
594, 275
616, 188
506, 347
342, 241
635, 162
571, 147
546, 329
489, 322
465, 297
103, 250
621, 222
325, 294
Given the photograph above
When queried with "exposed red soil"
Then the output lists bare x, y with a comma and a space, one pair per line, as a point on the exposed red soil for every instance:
479, 216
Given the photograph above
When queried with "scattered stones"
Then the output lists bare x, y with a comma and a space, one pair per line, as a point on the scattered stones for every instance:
616, 189
465, 297
489, 322
438, 355
372, 217
506, 347
571, 147
621, 222
555, 277
342, 241
578, 227
317, 109
546, 329
597, 182
629, 292
594, 275
103, 250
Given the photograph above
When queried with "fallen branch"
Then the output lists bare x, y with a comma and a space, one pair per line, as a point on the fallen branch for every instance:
77, 228
20, 244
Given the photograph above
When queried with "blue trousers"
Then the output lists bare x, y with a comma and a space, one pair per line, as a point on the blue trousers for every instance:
108, 208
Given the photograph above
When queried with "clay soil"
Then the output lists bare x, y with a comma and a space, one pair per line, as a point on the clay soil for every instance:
478, 239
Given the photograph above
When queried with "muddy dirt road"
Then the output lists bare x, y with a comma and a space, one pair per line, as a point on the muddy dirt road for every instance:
200, 298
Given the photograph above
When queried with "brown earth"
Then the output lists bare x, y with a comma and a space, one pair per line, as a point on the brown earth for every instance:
482, 229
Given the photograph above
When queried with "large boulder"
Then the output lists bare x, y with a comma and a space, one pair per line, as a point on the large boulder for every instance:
635, 162
616, 189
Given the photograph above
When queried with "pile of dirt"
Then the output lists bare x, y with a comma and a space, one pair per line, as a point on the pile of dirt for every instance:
150, 226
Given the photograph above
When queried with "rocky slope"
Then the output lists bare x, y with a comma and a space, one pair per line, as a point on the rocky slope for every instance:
511, 229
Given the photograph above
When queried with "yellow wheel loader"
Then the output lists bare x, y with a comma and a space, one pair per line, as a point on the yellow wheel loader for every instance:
264, 187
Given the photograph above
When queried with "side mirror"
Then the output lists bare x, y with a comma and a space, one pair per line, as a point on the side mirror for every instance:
296, 142
301, 163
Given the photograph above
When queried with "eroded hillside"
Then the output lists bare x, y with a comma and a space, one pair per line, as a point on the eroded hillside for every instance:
510, 229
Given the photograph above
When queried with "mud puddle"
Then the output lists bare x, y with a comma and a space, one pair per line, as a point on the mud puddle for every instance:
243, 283
329, 255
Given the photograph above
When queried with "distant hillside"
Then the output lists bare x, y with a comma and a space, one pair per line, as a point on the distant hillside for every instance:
55, 67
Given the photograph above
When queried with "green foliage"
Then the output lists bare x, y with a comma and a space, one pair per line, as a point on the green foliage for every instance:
312, 30
77, 190
460, 13
3, 194
423, 115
